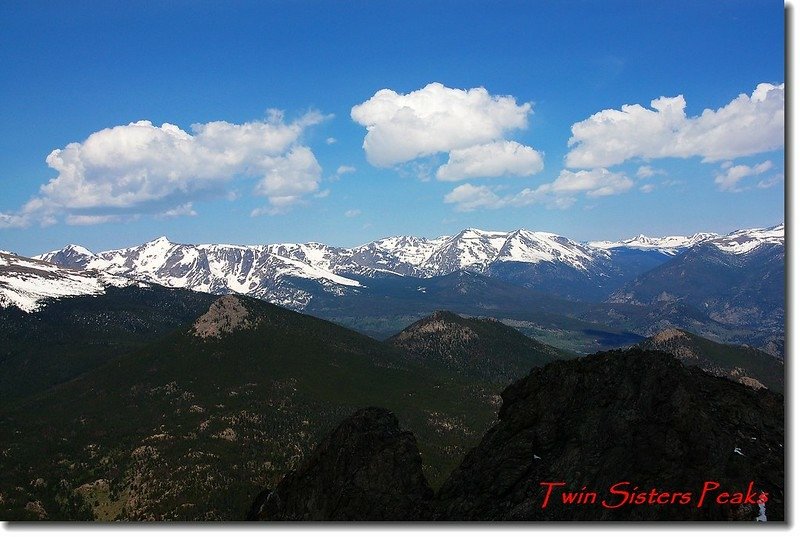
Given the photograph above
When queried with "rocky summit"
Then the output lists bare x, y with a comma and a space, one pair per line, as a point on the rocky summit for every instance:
616, 424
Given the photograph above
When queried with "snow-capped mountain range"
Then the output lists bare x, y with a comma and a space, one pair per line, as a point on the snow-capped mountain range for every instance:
289, 274
670, 245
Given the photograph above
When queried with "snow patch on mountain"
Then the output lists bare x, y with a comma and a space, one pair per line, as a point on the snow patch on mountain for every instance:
671, 245
27, 283
470, 249
746, 240
277, 272
260, 271
536, 246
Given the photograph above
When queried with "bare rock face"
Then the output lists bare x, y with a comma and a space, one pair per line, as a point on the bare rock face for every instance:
226, 315
366, 469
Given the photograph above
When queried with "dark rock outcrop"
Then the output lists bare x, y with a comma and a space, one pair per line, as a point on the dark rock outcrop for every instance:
622, 416
366, 469
635, 427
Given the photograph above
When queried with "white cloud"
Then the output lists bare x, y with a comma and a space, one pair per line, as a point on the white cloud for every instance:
330, 141
342, 170
596, 182
14, 220
290, 175
278, 205
352, 213
647, 188
772, 181
560, 193
494, 159
143, 168
181, 210
468, 197
648, 171
732, 175
434, 119
746, 126
91, 219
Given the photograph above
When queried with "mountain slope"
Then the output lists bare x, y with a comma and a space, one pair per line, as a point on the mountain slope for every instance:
193, 425
393, 302
74, 335
482, 348
742, 364
736, 280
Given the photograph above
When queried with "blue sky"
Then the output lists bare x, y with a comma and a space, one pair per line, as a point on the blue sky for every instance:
496, 89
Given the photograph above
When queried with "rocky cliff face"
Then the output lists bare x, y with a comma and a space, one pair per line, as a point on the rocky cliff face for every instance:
366, 469
643, 433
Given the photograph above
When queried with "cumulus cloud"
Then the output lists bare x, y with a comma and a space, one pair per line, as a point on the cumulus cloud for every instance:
728, 179
142, 168
469, 124
561, 193
494, 159
352, 213
289, 176
748, 125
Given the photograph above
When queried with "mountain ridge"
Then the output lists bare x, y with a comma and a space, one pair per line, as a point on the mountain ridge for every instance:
740, 363
529, 258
